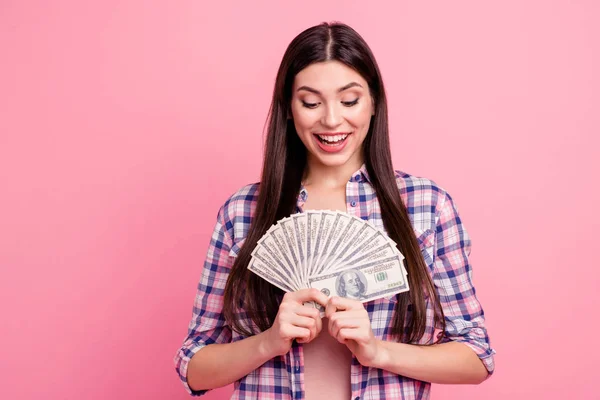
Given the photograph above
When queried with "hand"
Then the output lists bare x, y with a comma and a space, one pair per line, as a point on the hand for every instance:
295, 321
349, 323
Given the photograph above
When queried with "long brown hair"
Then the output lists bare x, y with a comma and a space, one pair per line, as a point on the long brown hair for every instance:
282, 171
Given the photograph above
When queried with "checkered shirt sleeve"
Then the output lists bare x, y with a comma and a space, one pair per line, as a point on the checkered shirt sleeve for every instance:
452, 276
207, 325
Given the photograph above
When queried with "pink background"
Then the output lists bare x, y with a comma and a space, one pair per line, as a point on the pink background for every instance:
125, 125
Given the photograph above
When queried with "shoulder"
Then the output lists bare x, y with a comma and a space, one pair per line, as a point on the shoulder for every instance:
423, 198
236, 212
409, 183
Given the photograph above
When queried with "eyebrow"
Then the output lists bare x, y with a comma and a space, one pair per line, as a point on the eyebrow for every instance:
315, 91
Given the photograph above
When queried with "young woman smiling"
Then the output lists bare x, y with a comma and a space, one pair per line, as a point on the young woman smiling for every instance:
327, 147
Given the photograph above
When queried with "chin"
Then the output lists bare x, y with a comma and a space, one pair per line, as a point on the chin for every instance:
334, 160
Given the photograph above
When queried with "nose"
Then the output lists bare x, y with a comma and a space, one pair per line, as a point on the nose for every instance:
332, 117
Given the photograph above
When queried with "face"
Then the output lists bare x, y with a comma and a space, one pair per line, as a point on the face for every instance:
351, 283
332, 108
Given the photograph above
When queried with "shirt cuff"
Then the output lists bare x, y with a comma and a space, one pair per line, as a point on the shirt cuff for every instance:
182, 360
485, 354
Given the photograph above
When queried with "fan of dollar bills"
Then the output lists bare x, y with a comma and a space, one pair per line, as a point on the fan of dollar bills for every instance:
339, 254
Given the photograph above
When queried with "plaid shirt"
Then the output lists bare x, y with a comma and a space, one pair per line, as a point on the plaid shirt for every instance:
445, 246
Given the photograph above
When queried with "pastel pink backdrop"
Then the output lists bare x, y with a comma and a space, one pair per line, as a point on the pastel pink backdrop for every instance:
124, 125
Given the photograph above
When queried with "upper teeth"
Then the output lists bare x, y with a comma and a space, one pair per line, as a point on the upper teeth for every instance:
333, 139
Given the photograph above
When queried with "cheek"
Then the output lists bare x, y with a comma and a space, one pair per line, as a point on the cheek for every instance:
360, 117
303, 118
302, 127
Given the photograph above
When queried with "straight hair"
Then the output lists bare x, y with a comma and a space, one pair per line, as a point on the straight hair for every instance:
282, 172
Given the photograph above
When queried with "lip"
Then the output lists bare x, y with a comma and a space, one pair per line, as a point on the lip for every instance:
331, 133
331, 149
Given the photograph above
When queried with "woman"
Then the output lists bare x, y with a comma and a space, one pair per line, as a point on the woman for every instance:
327, 147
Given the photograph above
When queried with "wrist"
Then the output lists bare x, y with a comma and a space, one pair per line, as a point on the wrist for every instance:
265, 350
382, 355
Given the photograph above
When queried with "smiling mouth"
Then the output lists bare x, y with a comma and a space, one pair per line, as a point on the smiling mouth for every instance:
332, 140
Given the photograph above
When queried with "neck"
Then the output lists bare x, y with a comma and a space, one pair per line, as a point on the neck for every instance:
330, 177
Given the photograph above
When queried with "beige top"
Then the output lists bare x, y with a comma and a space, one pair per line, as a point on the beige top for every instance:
326, 368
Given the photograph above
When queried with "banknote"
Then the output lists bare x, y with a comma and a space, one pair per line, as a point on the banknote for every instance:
299, 224
263, 270
340, 228
330, 234
372, 243
313, 224
382, 252
333, 251
348, 235
272, 257
362, 234
370, 281
275, 233
291, 242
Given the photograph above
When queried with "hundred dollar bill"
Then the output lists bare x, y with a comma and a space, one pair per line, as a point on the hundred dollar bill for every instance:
262, 269
356, 239
299, 223
327, 220
379, 253
371, 281
348, 236
276, 233
313, 227
337, 234
324, 221
268, 252
359, 252
330, 237
291, 242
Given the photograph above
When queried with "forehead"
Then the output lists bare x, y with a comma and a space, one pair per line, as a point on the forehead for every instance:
327, 76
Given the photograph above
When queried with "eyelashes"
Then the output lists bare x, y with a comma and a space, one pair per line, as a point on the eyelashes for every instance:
309, 105
315, 105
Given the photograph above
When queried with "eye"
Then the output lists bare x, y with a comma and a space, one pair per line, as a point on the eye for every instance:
309, 105
350, 103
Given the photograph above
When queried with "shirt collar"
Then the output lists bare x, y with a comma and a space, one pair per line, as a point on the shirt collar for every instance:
359, 176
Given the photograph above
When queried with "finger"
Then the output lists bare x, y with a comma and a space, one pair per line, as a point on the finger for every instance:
346, 334
294, 332
314, 332
345, 320
302, 321
311, 312
307, 310
335, 332
334, 305
306, 295
340, 321
306, 322
348, 304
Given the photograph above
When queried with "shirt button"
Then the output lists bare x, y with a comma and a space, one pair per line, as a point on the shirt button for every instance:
357, 398
353, 203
